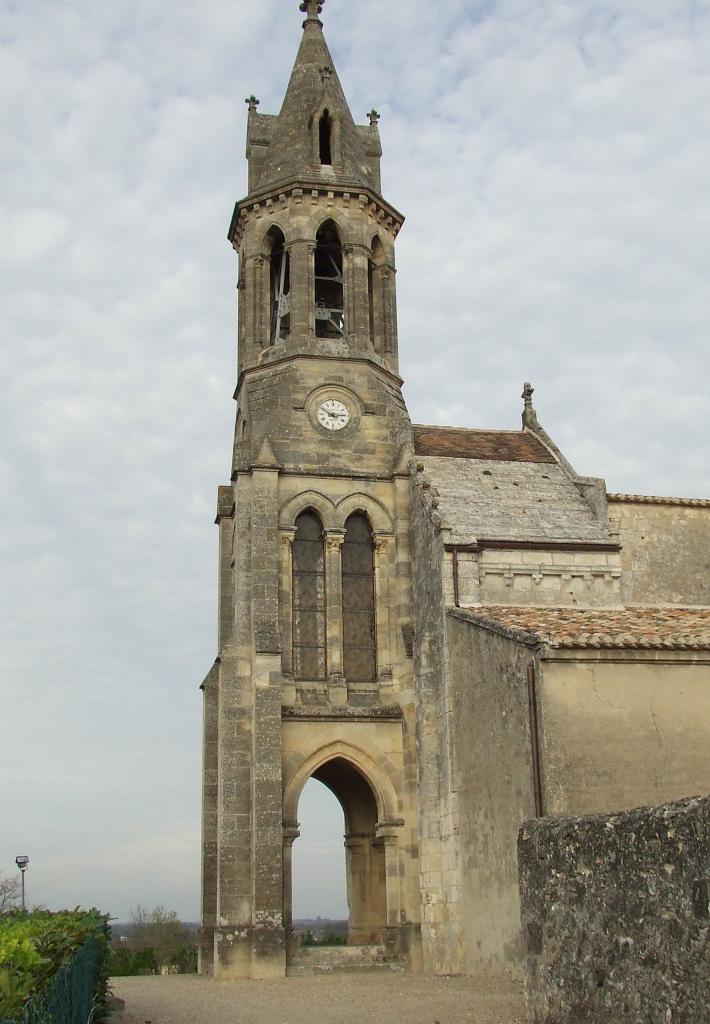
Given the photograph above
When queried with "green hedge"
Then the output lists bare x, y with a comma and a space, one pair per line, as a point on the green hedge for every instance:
53, 967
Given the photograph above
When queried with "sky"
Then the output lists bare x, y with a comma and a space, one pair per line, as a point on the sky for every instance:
552, 158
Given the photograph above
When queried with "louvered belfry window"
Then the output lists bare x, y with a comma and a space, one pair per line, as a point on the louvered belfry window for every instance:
358, 601
309, 636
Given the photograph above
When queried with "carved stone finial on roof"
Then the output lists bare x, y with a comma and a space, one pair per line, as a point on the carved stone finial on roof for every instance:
312, 8
374, 117
529, 414
253, 103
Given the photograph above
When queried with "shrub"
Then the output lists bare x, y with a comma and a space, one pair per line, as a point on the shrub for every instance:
35, 947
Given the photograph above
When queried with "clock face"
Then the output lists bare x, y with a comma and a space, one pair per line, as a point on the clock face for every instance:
333, 415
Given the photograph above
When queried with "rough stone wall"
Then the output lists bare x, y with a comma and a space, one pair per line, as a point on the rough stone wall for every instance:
665, 552
440, 871
493, 785
616, 915
624, 728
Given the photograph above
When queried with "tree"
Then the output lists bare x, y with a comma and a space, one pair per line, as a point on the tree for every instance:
162, 932
10, 889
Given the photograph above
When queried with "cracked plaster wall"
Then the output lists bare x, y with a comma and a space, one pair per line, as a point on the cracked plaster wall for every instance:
625, 732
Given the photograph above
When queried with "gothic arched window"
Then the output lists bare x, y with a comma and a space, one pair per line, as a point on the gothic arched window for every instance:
359, 642
279, 288
308, 587
329, 289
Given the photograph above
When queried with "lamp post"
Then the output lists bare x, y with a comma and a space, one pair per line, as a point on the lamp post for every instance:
22, 863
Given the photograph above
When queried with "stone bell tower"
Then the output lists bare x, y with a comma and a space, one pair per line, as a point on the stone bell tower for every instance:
314, 674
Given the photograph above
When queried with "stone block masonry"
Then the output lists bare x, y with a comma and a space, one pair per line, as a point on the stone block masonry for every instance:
616, 916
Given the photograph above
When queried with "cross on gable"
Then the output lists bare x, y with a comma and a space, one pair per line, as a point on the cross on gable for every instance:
312, 8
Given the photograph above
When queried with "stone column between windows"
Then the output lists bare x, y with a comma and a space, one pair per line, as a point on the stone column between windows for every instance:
357, 308
382, 608
302, 277
286, 614
389, 309
334, 540
255, 329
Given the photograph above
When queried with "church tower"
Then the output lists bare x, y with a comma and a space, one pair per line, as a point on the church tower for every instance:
314, 675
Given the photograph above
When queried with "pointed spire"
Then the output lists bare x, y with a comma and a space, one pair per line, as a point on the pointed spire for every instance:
315, 98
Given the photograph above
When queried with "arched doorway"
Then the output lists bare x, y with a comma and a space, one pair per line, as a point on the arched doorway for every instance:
319, 886
366, 876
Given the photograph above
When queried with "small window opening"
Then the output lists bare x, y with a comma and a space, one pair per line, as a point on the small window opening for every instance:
280, 289
329, 288
325, 135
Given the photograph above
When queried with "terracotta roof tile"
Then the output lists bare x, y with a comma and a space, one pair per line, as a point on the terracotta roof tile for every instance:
652, 499
488, 445
638, 628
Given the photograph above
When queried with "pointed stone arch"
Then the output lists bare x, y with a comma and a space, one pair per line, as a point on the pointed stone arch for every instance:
374, 774
291, 509
263, 244
336, 217
379, 517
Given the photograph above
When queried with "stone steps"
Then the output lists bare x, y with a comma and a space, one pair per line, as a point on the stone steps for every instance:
309, 960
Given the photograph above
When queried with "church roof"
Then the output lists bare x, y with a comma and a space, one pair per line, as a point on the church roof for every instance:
498, 445
635, 628
314, 86
490, 494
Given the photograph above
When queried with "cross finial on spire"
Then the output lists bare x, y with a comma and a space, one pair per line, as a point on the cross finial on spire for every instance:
312, 8
374, 117
253, 102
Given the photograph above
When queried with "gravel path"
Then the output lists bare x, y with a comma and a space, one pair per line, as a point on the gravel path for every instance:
341, 999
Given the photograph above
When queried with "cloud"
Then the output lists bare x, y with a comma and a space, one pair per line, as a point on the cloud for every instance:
552, 159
